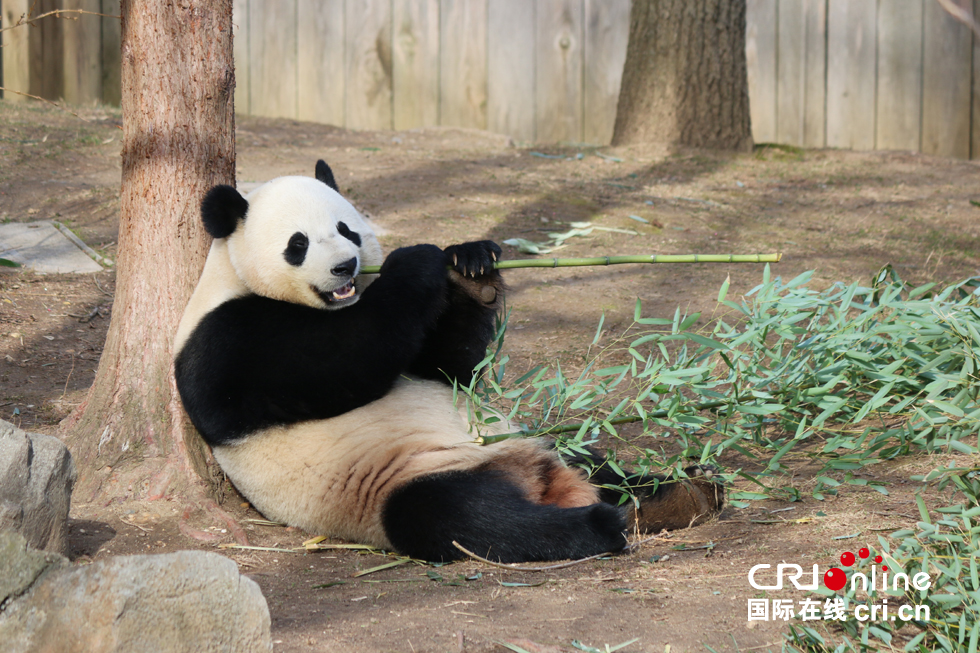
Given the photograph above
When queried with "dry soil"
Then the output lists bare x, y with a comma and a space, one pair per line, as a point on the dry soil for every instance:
842, 214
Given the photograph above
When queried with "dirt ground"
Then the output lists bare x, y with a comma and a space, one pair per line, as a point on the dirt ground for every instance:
843, 214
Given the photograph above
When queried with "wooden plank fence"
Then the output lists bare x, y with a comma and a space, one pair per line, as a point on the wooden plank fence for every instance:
539, 70
862, 74
74, 60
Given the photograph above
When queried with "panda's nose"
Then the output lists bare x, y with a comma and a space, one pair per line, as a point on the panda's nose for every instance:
346, 269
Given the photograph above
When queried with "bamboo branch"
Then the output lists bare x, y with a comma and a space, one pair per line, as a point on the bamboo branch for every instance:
618, 260
513, 567
54, 104
961, 14
561, 565
25, 20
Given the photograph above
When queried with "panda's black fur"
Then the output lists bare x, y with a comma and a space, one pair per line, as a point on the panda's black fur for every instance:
327, 397
348, 357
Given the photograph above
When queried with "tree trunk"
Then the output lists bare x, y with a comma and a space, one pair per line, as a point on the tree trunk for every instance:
684, 81
130, 438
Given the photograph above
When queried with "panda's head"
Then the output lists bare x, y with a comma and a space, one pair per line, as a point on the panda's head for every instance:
294, 239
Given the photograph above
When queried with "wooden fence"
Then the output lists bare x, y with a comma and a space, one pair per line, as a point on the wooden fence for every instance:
862, 74
75, 60
543, 70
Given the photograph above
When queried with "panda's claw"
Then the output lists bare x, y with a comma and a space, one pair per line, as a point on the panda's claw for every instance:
474, 259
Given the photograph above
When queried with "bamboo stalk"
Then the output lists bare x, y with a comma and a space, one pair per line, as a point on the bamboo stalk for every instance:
618, 260
565, 428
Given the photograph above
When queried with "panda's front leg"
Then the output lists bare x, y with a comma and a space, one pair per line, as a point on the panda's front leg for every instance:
459, 340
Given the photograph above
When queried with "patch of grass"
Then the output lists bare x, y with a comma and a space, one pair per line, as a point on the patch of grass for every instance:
88, 139
778, 152
952, 242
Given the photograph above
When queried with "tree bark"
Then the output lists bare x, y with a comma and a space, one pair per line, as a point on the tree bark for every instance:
684, 80
130, 438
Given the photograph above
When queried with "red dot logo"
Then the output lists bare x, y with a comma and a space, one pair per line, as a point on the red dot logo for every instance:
835, 579
847, 558
878, 559
864, 553
884, 567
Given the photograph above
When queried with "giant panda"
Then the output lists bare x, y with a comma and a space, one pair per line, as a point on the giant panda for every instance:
326, 394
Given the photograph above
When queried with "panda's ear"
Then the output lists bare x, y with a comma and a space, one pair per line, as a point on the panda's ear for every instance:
325, 174
221, 209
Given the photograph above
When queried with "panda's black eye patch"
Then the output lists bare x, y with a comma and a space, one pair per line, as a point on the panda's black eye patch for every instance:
295, 252
352, 236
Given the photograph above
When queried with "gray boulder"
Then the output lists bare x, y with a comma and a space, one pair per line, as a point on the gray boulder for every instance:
186, 601
36, 479
20, 566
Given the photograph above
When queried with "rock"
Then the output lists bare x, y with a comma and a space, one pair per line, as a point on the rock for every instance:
21, 566
36, 479
185, 601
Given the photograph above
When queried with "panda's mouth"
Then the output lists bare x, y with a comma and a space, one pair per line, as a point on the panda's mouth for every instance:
342, 294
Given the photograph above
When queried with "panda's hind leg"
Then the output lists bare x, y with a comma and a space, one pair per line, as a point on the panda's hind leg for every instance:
663, 503
487, 513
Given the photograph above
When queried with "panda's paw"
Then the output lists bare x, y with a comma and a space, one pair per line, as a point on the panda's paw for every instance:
682, 503
475, 259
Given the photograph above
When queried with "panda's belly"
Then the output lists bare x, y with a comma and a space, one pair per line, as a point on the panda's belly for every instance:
333, 476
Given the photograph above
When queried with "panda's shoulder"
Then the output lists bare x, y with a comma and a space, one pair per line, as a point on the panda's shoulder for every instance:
254, 315
252, 306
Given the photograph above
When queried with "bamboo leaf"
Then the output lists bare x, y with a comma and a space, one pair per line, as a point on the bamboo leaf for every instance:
623, 645
915, 641
946, 407
723, 291
704, 341
923, 511
602, 319
915, 292
616, 468
689, 321
528, 247
800, 279
760, 409
774, 461
962, 447
388, 565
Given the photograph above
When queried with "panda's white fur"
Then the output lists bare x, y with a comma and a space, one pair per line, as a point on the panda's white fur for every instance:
300, 204
333, 476
250, 259
406, 461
